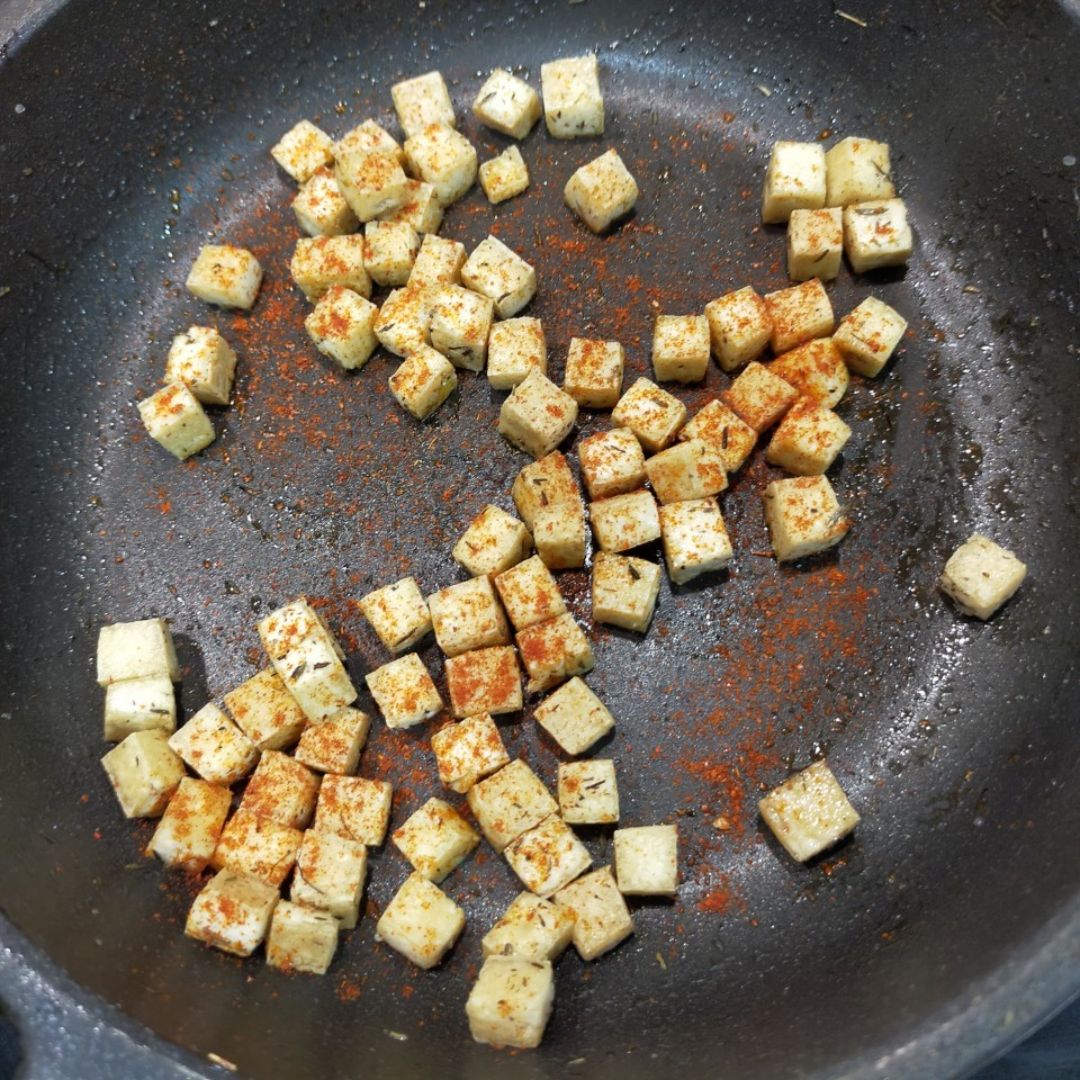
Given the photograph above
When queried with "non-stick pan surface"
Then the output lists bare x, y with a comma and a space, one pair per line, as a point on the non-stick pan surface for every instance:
133, 133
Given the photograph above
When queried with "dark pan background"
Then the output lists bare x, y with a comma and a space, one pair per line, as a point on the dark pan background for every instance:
131, 134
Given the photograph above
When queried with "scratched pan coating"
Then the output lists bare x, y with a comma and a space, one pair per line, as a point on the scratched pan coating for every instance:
932, 939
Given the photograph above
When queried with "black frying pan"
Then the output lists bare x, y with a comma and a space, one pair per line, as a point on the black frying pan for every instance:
949, 926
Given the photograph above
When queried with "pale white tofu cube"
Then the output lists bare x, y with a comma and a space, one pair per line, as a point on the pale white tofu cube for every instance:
612, 463
372, 182
543, 485
877, 234
355, 808
816, 369
131, 650
225, 275
232, 913
214, 747
175, 419
651, 413
858, 170
204, 362
868, 336
980, 576
422, 101
484, 681
808, 440
815, 244
646, 860
368, 137
803, 516
799, 313
594, 372
404, 323
537, 415
759, 396
301, 939
529, 593
588, 792
553, 652
435, 839
390, 250
334, 745
625, 521
493, 542
423, 381
680, 348
739, 327
321, 208
258, 847
140, 704
282, 790
342, 327
601, 918
515, 348
501, 274
421, 208
264, 710
794, 180
548, 856
573, 103
624, 591
602, 192
561, 538
691, 469
531, 929
504, 176
467, 616
303, 149
725, 431
330, 873
460, 324
809, 812
398, 613
507, 104
321, 261
468, 751
438, 262
188, 831
695, 539
511, 1001
574, 717
144, 772
404, 692
443, 158
421, 922
509, 802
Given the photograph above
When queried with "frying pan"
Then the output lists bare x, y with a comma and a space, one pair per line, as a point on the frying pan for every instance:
950, 924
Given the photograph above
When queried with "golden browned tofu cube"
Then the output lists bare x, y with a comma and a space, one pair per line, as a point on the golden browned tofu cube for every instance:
799, 313
803, 516
435, 839
652, 414
815, 244
484, 681
537, 415
809, 812
759, 397
601, 917
602, 192
794, 180
468, 751
740, 327
612, 463
868, 336
624, 591
509, 802
594, 373
574, 717
281, 789
680, 348
467, 616
816, 369
980, 576
626, 521
688, 470
529, 593
554, 651
808, 440
695, 538
725, 431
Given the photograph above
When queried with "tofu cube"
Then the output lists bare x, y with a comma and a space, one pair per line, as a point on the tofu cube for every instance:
868, 336
588, 792
804, 517
816, 369
504, 176
354, 807
808, 440
232, 913
544, 485
330, 873
548, 856
553, 652
529, 593
460, 324
507, 104
435, 839
303, 149
815, 244
264, 710
188, 831
980, 576
438, 262
257, 847
484, 681
573, 104
877, 234
809, 812
141, 704
858, 170
423, 381
421, 922
688, 470
282, 790
214, 747
625, 521
574, 717
646, 860
467, 616
537, 415
680, 348
404, 323
493, 542
560, 538
404, 692
601, 192
398, 613
334, 745
601, 917
624, 591
799, 313
390, 249
421, 208
372, 182
652, 414
301, 939
725, 431
321, 208
368, 137
515, 348
739, 327
144, 772
342, 326
612, 463
594, 372
530, 929
794, 180
501, 274
131, 650
175, 419
468, 751
204, 362
759, 396
510, 802
225, 275
321, 261
443, 158
695, 539
422, 101
511, 1001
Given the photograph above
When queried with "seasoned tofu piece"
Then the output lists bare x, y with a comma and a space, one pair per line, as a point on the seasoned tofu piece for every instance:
547, 484
493, 542
561, 538
601, 917
438, 262
804, 517
372, 182
509, 802
303, 149
390, 249
624, 591
809, 812
423, 381
548, 856
507, 104
816, 369
467, 616
815, 244
980, 576
574, 717
695, 539
537, 415
725, 431
175, 419
264, 710
144, 772
330, 873
321, 208
794, 180
131, 650
214, 747
554, 651
321, 261
808, 440
342, 327
799, 313
612, 463
739, 327
468, 751
588, 792
225, 275
759, 396
282, 790
529, 593
421, 208
680, 348
515, 348
602, 192
501, 274
435, 839
398, 613
858, 170
652, 414
301, 939
404, 323
531, 929
504, 176
511, 1001
404, 692
421, 922
443, 158
334, 745
141, 704
355, 808
868, 336
188, 831
626, 521
594, 372
877, 234
484, 681
460, 324
365, 138
258, 847
422, 101
232, 913
204, 362
646, 860
692, 469
573, 104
